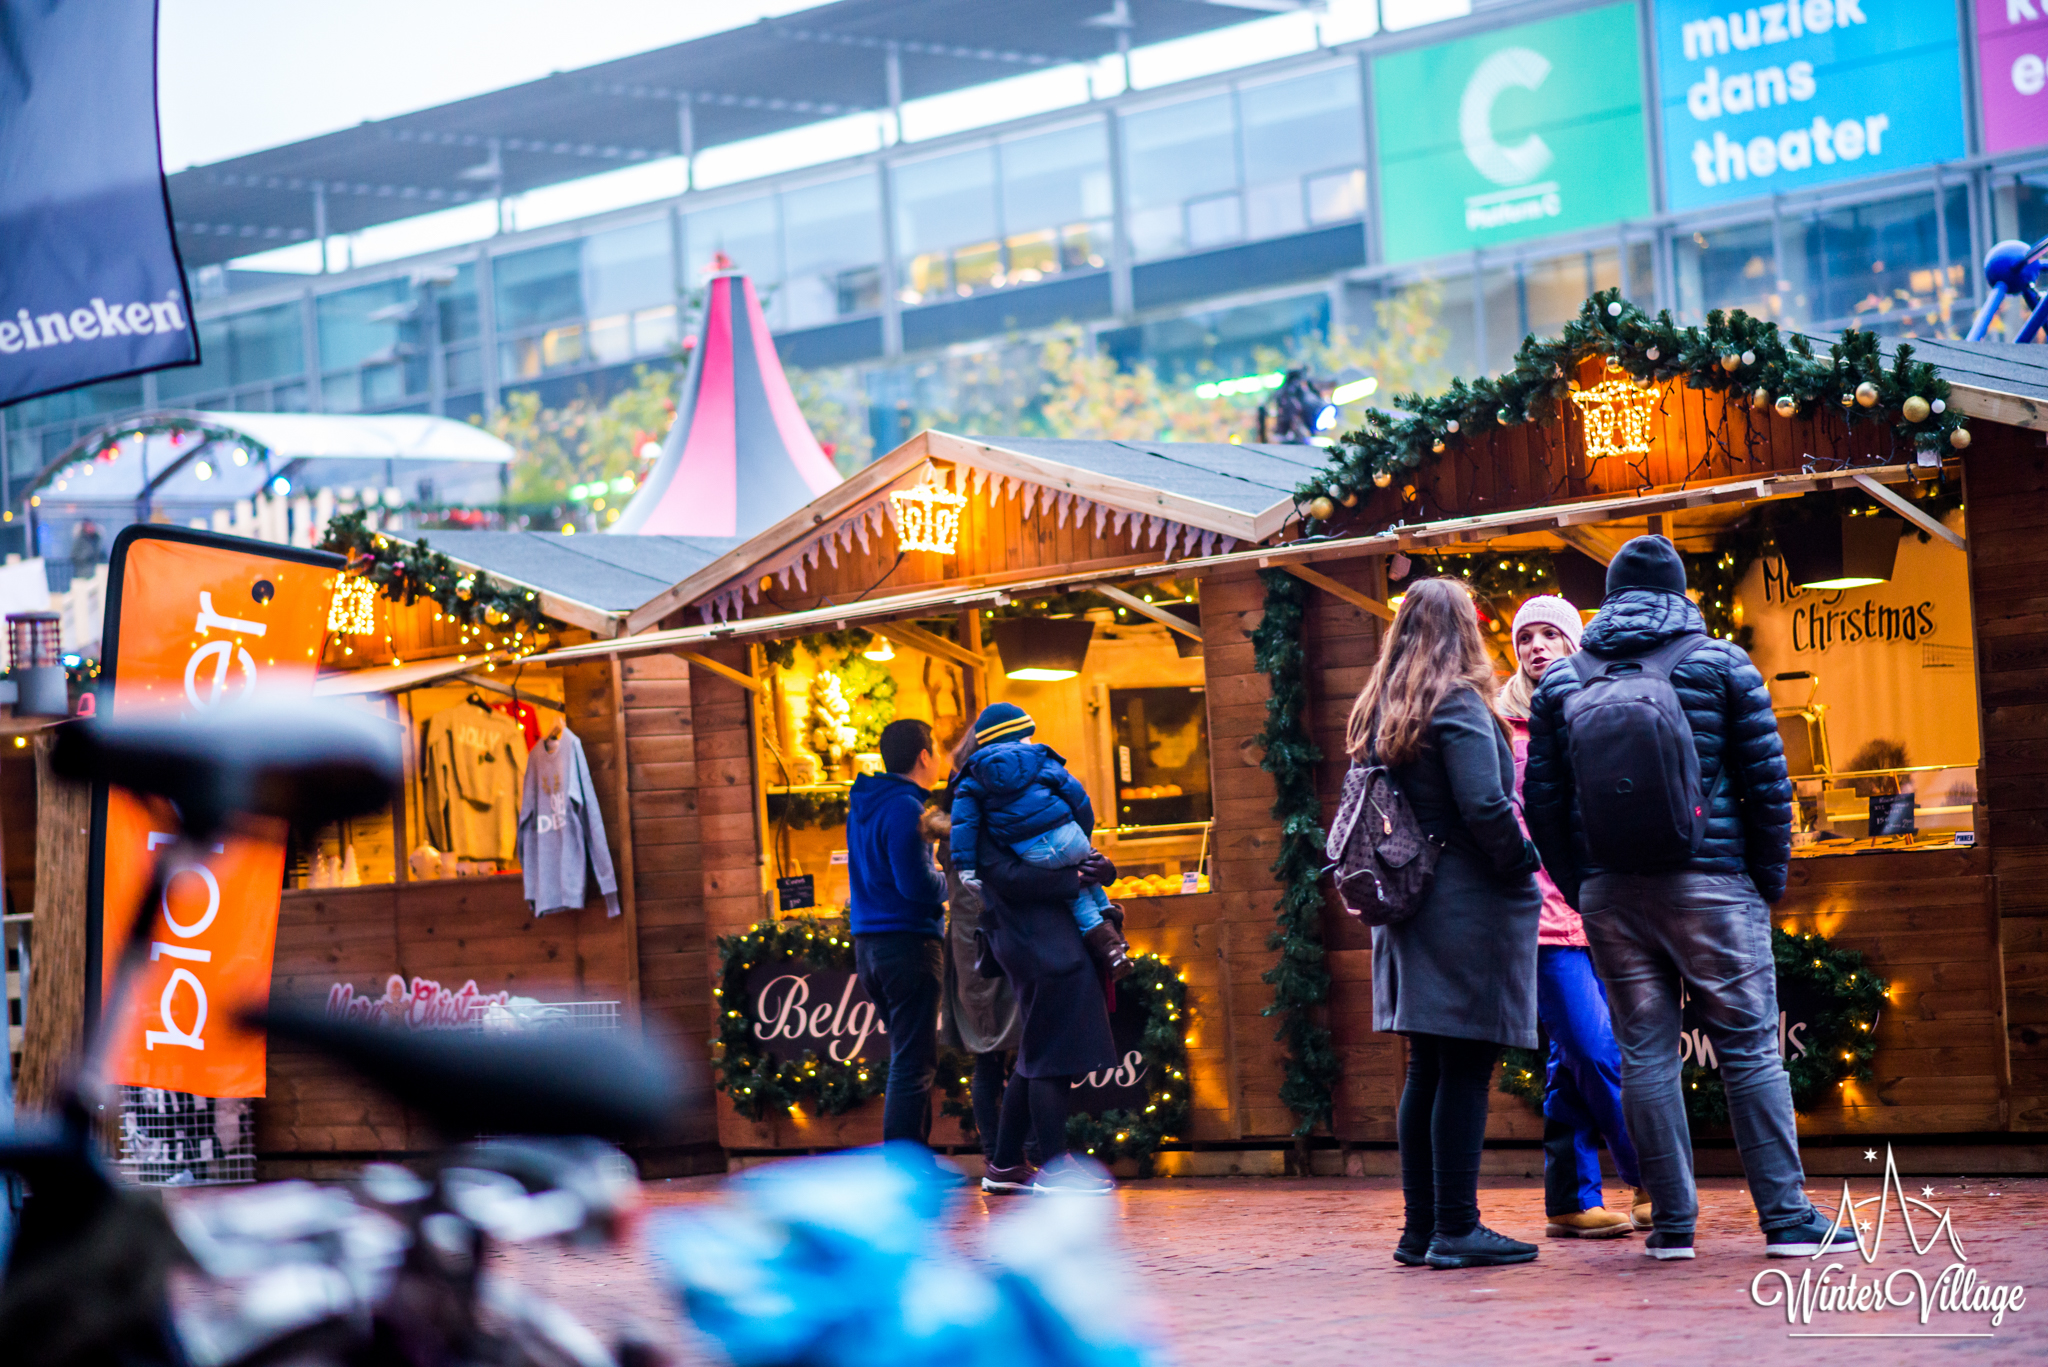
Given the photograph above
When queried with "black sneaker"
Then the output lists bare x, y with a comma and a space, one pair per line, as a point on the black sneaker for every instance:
1667, 1248
1806, 1240
1481, 1248
1413, 1249
1007, 1181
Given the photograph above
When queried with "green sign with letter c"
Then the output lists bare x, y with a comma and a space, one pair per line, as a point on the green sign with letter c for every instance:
1510, 135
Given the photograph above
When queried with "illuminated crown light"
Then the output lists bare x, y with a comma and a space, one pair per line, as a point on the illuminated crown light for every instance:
353, 611
1616, 418
927, 518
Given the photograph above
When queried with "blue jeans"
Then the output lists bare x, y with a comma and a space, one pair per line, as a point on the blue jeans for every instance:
1711, 932
1582, 1090
1063, 847
903, 973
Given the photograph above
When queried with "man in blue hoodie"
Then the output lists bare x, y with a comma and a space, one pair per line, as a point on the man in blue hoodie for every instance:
899, 919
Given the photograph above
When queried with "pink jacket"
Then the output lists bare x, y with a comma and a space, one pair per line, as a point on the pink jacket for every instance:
1557, 923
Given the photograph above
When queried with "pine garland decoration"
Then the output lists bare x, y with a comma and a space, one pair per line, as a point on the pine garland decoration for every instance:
1743, 357
407, 572
1301, 978
1840, 1042
759, 1085
1138, 1134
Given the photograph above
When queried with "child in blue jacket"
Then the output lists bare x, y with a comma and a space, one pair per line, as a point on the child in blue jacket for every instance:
1021, 794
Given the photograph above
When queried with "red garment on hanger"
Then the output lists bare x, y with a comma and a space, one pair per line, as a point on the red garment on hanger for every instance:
523, 713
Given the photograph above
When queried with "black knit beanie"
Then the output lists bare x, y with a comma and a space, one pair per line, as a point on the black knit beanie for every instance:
1647, 562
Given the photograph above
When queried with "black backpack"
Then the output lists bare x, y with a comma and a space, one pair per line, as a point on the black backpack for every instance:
1382, 859
1634, 761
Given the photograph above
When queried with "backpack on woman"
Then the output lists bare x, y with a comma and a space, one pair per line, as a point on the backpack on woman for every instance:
1382, 859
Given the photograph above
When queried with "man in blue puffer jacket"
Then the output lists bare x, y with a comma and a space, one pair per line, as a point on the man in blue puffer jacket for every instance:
1705, 925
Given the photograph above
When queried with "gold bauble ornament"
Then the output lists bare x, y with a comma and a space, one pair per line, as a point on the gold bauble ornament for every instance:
1408, 492
1731, 363
1349, 499
1866, 394
1760, 399
1915, 409
1848, 401
1614, 362
1960, 438
1786, 405
1321, 509
1382, 478
1437, 446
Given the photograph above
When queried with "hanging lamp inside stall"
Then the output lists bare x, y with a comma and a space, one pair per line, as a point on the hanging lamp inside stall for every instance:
1849, 552
1043, 649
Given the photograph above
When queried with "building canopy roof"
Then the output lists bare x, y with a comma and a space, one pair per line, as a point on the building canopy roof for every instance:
776, 74
207, 458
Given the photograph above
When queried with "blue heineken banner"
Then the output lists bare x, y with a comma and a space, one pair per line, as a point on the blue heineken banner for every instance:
90, 284
1770, 98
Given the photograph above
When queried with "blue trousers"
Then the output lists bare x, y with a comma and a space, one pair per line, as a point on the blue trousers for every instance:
1063, 847
903, 974
1582, 1090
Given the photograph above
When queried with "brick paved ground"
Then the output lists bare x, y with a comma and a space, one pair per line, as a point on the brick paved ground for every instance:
1298, 1274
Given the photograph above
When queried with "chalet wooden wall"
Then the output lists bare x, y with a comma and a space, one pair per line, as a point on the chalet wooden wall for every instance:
1696, 436
2006, 481
449, 932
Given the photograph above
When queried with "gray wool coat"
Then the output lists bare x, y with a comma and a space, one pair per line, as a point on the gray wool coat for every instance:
1465, 964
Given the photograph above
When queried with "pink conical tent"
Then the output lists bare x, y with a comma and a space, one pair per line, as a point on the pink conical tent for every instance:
740, 457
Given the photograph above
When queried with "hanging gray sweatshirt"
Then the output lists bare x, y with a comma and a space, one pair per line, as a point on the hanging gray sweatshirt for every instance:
561, 830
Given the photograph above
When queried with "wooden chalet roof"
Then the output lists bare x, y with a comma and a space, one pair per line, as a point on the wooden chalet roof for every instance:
1199, 497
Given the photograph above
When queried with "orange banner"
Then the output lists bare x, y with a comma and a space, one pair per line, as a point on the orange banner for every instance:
198, 621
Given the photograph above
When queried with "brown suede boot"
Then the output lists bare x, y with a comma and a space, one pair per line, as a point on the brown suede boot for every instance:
1106, 947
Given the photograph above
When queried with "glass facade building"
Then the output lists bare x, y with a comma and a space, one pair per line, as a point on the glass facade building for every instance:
1184, 227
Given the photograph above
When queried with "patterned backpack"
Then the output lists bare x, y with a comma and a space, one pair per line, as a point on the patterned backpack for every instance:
1381, 857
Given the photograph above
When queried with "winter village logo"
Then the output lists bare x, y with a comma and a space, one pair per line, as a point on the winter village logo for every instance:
1829, 1296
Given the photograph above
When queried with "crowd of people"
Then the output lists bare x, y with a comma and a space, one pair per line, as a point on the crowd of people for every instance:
1610, 825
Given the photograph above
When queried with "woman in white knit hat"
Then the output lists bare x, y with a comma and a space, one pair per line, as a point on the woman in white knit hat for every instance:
1582, 1090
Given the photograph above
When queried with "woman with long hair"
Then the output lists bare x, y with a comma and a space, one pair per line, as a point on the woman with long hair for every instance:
1582, 1079
1458, 979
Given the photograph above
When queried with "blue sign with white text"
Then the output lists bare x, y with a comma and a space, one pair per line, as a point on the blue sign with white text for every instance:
1771, 98
90, 283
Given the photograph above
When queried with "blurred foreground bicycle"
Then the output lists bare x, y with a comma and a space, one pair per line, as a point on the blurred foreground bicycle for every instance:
386, 1269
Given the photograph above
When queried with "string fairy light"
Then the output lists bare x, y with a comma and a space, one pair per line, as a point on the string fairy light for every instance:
353, 609
927, 517
1616, 417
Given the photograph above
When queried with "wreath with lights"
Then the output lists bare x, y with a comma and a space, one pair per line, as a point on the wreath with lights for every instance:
1735, 354
1117, 1133
1840, 1042
759, 1084
406, 572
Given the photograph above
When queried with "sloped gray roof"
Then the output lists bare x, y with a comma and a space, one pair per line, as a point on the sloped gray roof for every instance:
615, 573
2000, 367
1246, 479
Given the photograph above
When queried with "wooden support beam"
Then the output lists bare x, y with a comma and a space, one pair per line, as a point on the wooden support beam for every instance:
1918, 517
1157, 612
746, 681
918, 639
1340, 590
622, 867
1587, 540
